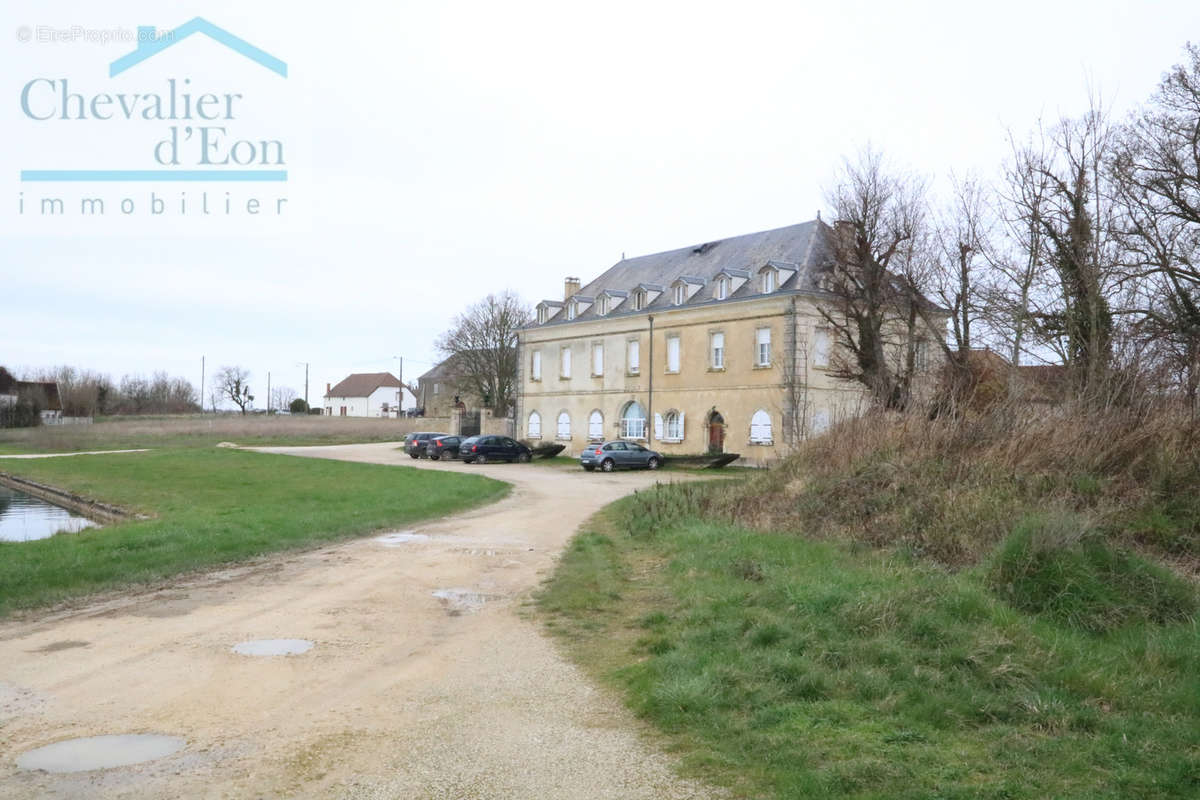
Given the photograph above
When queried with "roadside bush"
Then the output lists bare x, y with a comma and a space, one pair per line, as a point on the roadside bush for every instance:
298, 406
1057, 565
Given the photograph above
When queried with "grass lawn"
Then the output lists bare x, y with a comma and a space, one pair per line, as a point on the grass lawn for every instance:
213, 507
203, 430
785, 667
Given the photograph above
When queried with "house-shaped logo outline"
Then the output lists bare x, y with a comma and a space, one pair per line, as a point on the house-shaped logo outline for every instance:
150, 44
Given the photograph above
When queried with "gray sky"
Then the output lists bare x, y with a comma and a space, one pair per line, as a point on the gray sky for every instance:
439, 151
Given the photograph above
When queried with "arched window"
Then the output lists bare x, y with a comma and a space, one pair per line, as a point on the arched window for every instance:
673, 426
760, 427
564, 425
596, 426
534, 428
633, 422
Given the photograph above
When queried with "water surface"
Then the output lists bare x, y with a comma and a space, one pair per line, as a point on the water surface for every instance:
24, 517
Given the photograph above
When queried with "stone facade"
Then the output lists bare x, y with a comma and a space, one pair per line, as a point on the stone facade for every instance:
740, 367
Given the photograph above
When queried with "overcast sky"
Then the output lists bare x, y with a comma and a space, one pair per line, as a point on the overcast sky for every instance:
440, 151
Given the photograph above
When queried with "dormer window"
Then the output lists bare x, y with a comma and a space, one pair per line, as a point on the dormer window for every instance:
722, 288
602, 305
639, 300
571, 311
680, 294
768, 280
541, 315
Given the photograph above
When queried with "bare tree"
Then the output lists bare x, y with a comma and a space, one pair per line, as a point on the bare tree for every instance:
282, 397
1156, 172
872, 275
482, 349
1076, 220
962, 253
1014, 293
231, 383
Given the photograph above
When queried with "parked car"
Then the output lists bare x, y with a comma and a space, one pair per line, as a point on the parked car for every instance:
619, 455
414, 443
482, 449
441, 447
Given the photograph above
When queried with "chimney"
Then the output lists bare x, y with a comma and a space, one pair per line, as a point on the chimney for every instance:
845, 232
327, 390
571, 286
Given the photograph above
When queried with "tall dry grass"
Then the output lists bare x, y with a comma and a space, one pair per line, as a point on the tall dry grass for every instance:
209, 429
952, 488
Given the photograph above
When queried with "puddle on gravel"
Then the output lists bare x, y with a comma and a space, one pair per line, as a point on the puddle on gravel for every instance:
100, 752
273, 647
54, 647
463, 601
401, 537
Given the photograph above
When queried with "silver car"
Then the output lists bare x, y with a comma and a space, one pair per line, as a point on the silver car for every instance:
619, 455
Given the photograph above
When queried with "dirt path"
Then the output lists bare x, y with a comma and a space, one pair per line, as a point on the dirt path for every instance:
405, 695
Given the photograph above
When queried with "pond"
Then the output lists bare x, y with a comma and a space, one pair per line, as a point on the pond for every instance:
24, 517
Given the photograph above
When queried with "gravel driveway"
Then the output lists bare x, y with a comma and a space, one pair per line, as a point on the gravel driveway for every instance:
425, 680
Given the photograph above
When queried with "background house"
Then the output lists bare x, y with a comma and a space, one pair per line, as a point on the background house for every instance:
368, 394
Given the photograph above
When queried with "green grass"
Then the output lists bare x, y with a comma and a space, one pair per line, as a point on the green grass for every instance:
786, 667
213, 507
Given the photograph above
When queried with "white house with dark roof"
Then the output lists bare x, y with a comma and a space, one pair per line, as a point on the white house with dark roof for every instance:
368, 394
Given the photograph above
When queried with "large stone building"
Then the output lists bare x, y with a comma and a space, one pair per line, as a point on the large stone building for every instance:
715, 347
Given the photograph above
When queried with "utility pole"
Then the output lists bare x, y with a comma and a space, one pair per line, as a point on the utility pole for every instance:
268, 391
202, 384
400, 407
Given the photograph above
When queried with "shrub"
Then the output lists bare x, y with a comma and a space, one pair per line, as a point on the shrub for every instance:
1058, 566
298, 406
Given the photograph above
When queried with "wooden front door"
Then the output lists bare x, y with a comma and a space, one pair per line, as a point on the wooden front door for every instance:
716, 433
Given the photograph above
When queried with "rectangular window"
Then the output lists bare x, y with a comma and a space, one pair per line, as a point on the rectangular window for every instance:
602, 305
821, 347
672, 354
763, 343
634, 356
718, 351
535, 365
768, 281
597, 359
722, 289
570, 311
437, 388
680, 294
565, 362
921, 356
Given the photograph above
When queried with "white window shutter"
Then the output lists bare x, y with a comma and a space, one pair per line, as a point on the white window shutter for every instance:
658, 426
682, 430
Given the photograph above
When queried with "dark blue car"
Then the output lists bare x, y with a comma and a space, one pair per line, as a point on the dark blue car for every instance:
482, 449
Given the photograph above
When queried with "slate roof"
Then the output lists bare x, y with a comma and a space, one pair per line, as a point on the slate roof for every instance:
361, 384
802, 247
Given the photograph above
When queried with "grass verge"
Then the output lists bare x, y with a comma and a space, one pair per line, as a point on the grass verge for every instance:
212, 507
786, 667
